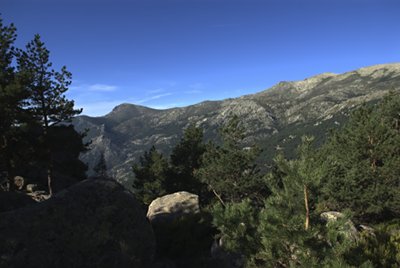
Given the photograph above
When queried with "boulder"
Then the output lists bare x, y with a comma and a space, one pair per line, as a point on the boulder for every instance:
12, 200
30, 188
172, 206
95, 223
19, 182
347, 228
183, 233
366, 229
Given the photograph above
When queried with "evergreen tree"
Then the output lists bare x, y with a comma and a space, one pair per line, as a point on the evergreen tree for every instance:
12, 100
24, 139
285, 225
287, 231
66, 144
237, 225
229, 170
150, 174
185, 159
362, 163
47, 102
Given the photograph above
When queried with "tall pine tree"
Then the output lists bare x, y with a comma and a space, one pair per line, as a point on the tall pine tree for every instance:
47, 103
229, 170
150, 176
13, 100
362, 163
184, 160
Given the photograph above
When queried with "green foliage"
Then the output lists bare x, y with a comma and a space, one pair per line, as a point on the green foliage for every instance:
12, 98
237, 224
184, 160
381, 247
229, 170
285, 239
32, 104
277, 236
150, 175
47, 102
357, 169
361, 163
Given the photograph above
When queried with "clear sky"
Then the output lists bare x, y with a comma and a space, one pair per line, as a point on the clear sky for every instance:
167, 53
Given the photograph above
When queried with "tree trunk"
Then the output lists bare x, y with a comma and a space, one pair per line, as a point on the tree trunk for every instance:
49, 182
49, 161
218, 196
307, 221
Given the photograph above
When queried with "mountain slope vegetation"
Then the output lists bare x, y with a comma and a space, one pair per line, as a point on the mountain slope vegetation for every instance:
275, 118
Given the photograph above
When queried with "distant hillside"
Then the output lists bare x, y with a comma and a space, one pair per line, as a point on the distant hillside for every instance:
274, 118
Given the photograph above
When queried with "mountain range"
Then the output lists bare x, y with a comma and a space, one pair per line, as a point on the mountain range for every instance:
275, 118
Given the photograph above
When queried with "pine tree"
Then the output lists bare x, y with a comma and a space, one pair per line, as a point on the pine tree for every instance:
229, 170
184, 160
66, 145
12, 97
237, 225
47, 102
150, 174
285, 224
362, 163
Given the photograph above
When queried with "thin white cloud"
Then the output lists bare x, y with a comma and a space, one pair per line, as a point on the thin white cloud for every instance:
102, 87
156, 97
77, 86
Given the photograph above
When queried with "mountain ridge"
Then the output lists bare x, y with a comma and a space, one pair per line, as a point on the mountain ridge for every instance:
128, 130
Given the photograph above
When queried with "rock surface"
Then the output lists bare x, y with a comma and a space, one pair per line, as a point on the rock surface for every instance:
183, 233
172, 206
276, 117
12, 200
95, 223
347, 228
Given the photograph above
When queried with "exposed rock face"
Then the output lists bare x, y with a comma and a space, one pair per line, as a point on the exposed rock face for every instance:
276, 117
172, 206
95, 223
347, 228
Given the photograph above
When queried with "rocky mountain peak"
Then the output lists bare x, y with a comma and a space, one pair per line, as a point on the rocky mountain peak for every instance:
376, 71
128, 108
271, 116
311, 82
126, 111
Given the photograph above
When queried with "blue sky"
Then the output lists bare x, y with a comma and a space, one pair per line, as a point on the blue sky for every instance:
167, 53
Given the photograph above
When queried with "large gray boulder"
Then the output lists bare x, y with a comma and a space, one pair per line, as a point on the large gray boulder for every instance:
95, 223
183, 233
172, 206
